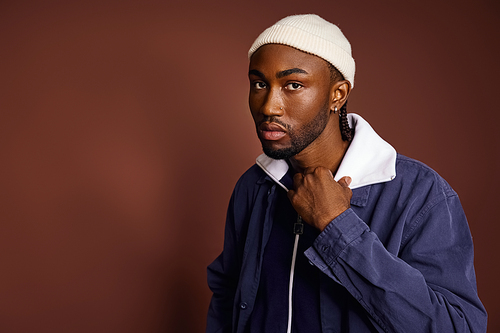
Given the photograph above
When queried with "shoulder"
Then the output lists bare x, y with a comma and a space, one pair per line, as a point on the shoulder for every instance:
247, 199
416, 189
429, 202
250, 177
420, 177
249, 183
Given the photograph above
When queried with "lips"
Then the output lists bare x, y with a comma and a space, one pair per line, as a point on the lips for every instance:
271, 131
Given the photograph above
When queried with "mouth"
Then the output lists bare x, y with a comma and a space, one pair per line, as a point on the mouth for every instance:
271, 131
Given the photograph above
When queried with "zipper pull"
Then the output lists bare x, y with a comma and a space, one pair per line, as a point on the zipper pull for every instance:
298, 227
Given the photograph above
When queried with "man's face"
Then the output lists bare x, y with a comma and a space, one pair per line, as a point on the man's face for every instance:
289, 98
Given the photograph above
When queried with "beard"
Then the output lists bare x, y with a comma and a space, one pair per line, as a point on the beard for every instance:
299, 138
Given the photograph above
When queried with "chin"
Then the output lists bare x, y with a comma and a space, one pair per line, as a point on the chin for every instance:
279, 154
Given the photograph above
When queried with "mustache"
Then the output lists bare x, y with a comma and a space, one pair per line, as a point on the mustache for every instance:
276, 120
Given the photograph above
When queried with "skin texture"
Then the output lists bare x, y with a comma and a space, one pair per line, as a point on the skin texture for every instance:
292, 99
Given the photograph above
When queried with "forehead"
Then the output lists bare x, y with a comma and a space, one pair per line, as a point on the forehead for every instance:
277, 57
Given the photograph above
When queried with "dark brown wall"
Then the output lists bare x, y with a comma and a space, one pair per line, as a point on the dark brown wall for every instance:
124, 126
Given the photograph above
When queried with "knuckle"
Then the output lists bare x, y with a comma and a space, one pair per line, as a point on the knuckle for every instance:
309, 170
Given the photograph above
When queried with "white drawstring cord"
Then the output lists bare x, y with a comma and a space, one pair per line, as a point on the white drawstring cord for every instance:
290, 285
298, 229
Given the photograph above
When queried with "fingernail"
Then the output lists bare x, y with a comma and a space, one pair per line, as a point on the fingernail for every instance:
348, 180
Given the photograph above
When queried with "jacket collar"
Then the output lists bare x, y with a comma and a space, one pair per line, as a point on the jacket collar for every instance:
369, 159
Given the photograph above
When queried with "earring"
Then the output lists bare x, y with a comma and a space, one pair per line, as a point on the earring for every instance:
281, 108
335, 110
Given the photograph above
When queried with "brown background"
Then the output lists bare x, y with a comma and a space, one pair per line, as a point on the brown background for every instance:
124, 126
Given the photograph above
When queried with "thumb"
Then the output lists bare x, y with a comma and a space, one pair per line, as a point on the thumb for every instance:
345, 181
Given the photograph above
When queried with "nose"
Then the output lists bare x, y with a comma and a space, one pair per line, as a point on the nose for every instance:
273, 104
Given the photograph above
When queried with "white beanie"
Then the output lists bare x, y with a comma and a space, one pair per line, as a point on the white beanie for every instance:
311, 34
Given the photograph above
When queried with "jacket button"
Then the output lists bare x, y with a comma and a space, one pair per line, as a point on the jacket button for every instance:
243, 305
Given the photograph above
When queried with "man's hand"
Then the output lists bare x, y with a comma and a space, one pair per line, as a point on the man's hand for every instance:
318, 198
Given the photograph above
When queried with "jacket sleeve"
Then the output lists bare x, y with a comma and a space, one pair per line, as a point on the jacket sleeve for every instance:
222, 277
429, 286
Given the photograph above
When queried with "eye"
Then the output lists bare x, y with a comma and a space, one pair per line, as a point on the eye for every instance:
259, 85
293, 86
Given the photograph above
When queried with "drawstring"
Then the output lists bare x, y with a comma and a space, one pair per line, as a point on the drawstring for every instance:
298, 229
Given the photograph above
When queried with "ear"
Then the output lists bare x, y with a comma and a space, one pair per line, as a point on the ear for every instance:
338, 94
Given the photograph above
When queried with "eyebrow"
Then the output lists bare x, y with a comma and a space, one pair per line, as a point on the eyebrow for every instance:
290, 71
279, 75
256, 73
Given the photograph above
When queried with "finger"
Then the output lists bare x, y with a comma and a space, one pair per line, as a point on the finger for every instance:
345, 181
322, 171
309, 170
297, 179
330, 173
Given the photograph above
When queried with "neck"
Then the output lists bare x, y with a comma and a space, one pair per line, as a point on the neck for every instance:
326, 151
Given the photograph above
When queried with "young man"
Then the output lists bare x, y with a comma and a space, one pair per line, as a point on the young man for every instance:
385, 245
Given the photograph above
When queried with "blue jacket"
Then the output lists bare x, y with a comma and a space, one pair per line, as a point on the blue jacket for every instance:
403, 250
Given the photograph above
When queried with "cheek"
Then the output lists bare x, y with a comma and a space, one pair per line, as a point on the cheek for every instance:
256, 116
312, 97
253, 108
254, 102
304, 109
